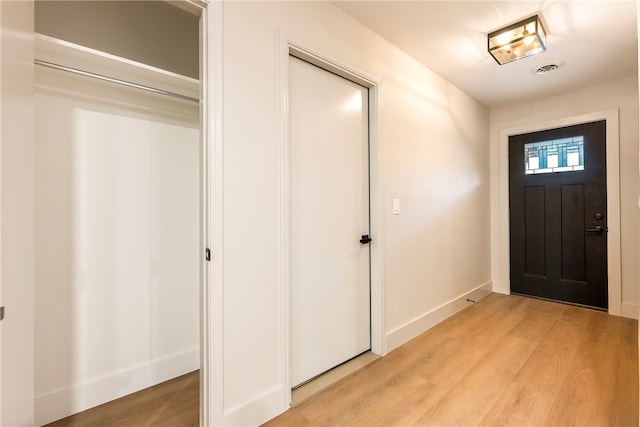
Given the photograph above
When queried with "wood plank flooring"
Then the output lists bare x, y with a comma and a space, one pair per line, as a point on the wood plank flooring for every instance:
504, 361
175, 403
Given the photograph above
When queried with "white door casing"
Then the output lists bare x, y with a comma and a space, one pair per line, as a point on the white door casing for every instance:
210, 209
330, 308
216, 409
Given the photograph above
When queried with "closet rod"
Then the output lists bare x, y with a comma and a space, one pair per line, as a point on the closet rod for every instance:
113, 80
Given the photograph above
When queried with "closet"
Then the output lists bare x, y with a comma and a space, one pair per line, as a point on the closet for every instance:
117, 224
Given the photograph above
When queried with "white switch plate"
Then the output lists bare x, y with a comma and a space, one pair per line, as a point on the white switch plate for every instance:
396, 206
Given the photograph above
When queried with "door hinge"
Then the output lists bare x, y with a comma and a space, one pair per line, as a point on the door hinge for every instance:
207, 254
1, 313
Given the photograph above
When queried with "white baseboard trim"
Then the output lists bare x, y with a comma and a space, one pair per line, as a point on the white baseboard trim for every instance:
415, 327
80, 397
257, 411
629, 310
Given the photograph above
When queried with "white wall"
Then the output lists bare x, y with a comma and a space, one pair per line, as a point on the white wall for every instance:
117, 237
620, 94
16, 213
434, 155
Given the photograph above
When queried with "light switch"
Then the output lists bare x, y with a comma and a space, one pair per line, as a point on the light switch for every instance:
396, 206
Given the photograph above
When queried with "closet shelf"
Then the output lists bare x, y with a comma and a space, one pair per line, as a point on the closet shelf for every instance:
50, 50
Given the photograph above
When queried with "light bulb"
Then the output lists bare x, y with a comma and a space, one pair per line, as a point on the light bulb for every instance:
531, 28
504, 38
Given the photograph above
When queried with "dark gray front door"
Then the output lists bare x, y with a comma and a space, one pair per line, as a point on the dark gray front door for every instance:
558, 214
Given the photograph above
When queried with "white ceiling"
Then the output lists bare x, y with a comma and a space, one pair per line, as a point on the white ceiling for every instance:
596, 40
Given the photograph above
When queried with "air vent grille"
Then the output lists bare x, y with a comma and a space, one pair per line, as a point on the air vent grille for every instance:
546, 69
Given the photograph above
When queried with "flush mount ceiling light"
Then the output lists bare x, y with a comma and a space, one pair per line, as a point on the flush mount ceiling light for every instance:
522, 39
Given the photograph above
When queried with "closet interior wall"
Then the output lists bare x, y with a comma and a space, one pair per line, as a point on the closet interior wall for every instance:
117, 202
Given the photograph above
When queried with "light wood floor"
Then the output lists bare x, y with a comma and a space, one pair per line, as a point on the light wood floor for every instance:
504, 361
174, 403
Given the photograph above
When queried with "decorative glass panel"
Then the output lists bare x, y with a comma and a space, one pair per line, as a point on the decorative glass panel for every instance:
557, 155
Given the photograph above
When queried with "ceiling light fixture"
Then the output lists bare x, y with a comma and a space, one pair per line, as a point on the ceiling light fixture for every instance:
522, 39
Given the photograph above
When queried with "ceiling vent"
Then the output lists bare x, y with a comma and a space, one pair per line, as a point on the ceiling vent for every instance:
549, 68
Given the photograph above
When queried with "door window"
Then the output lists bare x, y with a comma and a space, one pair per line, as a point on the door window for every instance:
556, 155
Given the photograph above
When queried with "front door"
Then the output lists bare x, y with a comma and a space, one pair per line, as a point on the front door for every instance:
329, 158
558, 214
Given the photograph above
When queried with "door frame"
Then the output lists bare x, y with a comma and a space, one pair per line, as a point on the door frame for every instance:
211, 211
611, 117
288, 46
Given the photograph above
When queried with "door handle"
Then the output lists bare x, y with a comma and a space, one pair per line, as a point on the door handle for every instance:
365, 239
597, 229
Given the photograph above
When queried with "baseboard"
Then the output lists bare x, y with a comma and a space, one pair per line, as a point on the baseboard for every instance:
258, 411
80, 397
415, 327
629, 310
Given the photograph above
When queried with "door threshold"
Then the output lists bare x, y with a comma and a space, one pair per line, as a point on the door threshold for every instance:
559, 301
321, 382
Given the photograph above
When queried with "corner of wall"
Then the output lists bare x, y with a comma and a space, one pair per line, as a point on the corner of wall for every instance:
80, 397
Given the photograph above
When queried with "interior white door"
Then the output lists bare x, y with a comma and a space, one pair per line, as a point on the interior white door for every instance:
16, 218
329, 158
